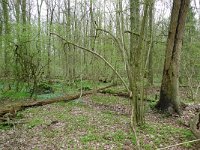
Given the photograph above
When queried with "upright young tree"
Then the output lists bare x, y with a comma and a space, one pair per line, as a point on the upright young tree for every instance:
150, 46
7, 32
1, 33
50, 16
39, 9
24, 17
169, 92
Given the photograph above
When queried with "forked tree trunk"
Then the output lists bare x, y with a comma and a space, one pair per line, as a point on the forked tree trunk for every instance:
169, 93
136, 75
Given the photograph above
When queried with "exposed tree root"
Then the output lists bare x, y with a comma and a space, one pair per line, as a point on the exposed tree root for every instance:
195, 125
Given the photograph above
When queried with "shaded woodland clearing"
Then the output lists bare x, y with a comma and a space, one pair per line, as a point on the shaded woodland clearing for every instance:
97, 121
48, 54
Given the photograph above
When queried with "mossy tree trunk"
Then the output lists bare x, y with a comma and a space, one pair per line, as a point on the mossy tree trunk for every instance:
169, 93
136, 63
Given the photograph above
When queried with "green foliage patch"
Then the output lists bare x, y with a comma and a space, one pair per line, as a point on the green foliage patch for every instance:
162, 134
6, 126
89, 137
13, 95
35, 122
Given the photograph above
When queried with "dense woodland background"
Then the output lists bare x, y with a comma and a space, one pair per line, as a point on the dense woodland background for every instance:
29, 51
51, 48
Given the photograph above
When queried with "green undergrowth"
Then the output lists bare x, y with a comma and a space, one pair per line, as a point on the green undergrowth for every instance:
164, 135
60, 89
82, 126
5, 127
13, 95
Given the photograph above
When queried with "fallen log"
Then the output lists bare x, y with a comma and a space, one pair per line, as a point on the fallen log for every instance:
15, 108
120, 94
127, 95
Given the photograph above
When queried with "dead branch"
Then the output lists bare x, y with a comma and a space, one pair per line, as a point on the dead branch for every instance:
96, 54
169, 147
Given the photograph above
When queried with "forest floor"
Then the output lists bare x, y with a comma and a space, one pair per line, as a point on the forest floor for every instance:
98, 121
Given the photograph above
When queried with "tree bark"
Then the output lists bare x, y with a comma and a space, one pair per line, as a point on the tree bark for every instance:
195, 125
7, 32
169, 93
136, 58
150, 46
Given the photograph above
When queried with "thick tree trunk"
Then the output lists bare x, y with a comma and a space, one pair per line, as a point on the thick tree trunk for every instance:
169, 93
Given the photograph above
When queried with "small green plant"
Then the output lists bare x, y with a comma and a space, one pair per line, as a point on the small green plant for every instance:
34, 122
5, 126
147, 146
89, 137
50, 133
119, 136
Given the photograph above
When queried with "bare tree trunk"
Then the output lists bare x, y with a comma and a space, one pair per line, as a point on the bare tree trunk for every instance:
134, 19
1, 40
7, 32
75, 30
150, 46
92, 38
50, 15
24, 14
39, 7
169, 93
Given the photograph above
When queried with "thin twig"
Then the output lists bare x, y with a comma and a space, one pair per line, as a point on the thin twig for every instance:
178, 144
